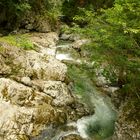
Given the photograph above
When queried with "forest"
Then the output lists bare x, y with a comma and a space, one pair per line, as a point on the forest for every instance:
113, 28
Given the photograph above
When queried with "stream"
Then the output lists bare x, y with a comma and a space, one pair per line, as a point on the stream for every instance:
100, 125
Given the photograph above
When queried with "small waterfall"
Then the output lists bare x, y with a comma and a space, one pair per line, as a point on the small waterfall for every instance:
101, 124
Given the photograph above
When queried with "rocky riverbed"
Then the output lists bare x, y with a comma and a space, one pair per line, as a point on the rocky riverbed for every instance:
127, 125
34, 93
39, 100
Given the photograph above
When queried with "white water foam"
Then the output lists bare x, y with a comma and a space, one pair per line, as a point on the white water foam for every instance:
63, 57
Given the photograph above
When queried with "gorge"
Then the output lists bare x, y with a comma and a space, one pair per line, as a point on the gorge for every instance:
69, 70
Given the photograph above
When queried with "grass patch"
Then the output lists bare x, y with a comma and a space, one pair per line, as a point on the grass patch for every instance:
21, 41
1, 49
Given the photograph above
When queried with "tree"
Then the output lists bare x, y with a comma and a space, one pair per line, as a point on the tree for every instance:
11, 11
115, 38
70, 7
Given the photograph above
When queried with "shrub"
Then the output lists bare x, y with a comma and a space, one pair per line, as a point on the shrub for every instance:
18, 40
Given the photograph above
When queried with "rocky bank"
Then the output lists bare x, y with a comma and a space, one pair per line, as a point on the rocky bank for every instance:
33, 89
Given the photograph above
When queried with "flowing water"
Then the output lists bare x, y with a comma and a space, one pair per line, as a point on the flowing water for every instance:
100, 125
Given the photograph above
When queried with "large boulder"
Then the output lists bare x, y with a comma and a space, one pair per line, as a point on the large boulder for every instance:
45, 39
79, 43
33, 22
18, 94
41, 67
57, 90
25, 111
16, 62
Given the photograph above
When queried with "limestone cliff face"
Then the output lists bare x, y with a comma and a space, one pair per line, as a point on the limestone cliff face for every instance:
33, 94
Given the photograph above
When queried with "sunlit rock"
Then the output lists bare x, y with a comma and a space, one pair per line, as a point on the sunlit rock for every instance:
33, 92
57, 90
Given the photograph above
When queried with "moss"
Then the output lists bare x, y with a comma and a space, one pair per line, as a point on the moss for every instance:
18, 40
1, 49
5, 94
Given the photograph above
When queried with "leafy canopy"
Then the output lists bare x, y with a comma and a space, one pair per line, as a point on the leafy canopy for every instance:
115, 40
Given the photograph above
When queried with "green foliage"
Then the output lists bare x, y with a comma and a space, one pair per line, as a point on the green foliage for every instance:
115, 40
20, 8
11, 11
70, 8
18, 40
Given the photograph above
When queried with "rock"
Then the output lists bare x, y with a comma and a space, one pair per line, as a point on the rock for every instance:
38, 23
57, 90
14, 32
4, 69
25, 111
41, 68
29, 27
65, 36
72, 137
78, 110
101, 81
42, 26
69, 36
26, 81
127, 125
9, 55
30, 64
78, 43
11, 125
18, 94
23, 31
1, 34
74, 37
33, 94
110, 89
45, 39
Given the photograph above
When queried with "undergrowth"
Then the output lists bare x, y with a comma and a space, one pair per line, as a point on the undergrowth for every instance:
21, 41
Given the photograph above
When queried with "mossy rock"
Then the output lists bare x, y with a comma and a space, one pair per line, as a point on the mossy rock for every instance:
21, 41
